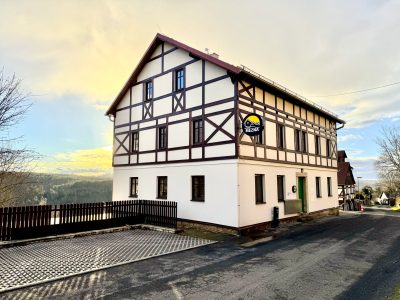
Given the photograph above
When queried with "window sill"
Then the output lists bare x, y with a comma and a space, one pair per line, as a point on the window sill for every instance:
133, 196
258, 203
281, 200
197, 200
161, 198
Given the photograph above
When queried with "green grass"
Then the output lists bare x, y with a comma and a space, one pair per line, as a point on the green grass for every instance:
205, 234
396, 294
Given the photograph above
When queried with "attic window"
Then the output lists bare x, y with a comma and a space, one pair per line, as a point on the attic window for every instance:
149, 90
179, 79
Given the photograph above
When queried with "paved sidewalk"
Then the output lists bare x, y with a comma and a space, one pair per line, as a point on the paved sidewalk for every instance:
41, 262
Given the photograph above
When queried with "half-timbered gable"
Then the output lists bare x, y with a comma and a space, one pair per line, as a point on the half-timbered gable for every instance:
174, 88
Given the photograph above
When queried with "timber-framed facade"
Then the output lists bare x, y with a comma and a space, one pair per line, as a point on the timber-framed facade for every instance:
193, 104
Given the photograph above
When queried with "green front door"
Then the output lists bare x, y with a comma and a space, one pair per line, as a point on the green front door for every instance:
300, 191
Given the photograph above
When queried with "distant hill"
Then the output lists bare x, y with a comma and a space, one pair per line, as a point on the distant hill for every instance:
59, 189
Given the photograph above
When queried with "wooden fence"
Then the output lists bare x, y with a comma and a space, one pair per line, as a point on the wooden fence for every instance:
43, 220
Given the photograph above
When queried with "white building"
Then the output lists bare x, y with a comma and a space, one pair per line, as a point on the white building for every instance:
178, 136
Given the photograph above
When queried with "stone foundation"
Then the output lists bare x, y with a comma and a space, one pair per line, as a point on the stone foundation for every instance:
188, 224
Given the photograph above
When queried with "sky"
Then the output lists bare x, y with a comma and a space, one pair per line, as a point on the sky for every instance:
73, 57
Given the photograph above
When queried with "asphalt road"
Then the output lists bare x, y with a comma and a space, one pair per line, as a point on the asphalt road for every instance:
354, 256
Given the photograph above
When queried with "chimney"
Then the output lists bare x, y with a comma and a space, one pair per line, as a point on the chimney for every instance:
215, 55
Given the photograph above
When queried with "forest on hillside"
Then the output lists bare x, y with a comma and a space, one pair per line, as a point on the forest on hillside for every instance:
60, 189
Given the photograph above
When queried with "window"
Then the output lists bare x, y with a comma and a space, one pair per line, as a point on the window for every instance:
198, 188
281, 187
297, 139
281, 136
259, 178
162, 137
318, 186
197, 132
317, 145
329, 182
179, 79
304, 142
134, 187
162, 187
258, 138
328, 147
149, 90
135, 142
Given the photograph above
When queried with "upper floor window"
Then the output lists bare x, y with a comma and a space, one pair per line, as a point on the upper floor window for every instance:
149, 90
197, 188
317, 145
318, 186
162, 137
304, 142
179, 79
297, 139
135, 142
197, 134
281, 187
133, 187
328, 148
281, 136
259, 179
162, 187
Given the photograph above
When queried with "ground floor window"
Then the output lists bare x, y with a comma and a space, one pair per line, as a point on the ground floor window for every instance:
197, 188
162, 187
133, 187
259, 179
281, 187
318, 186
329, 182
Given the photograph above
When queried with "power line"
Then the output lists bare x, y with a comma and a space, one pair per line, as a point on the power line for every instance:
359, 91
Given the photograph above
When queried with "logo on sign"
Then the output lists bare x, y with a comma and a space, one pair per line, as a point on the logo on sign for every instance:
252, 125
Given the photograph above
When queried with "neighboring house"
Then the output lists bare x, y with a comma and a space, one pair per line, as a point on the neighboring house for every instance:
383, 199
179, 134
346, 182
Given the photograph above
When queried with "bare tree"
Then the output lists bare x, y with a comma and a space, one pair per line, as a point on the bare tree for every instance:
388, 163
15, 162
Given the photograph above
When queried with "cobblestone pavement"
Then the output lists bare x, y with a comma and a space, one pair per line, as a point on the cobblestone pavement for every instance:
41, 262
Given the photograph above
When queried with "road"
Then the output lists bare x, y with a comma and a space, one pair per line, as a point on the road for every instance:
353, 256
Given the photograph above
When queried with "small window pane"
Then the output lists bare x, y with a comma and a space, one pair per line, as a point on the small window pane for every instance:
318, 186
281, 136
162, 187
180, 79
317, 145
259, 180
297, 139
134, 187
135, 142
197, 132
329, 182
149, 90
162, 137
198, 188
281, 187
304, 142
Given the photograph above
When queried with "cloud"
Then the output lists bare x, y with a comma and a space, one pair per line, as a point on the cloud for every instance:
349, 137
85, 162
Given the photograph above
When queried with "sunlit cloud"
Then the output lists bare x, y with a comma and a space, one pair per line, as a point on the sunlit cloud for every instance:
87, 162
349, 137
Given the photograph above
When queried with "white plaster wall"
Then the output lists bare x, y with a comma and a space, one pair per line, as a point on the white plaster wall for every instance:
152, 68
162, 106
193, 73
137, 93
220, 205
178, 135
193, 97
176, 58
126, 100
122, 117
219, 90
252, 213
162, 85
147, 140
212, 71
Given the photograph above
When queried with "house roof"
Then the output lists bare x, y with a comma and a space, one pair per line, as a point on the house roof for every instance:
240, 71
345, 174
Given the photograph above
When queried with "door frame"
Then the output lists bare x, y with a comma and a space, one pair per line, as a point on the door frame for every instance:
304, 204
